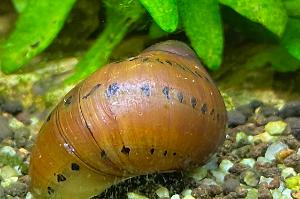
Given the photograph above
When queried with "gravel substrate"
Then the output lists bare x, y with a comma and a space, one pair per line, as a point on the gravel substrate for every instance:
260, 158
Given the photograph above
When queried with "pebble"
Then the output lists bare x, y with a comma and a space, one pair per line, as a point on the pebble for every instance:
8, 172
288, 172
21, 136
198, 174
267, 169
290, 109
259, 150
6, 131
263, 191
24, 117
17, 189
291, 142
293, 182
219, 175
204, 191
268, 111
296, 194
242, 138
246, 110
231, 183
175, 196
264, 137
275, 128
241, 192
238, 168
8, 150
225, 165
293, 160
273, 149
132, 195
254, 104
236, 118
13, 107
252, 194
162, 192
250, 178
294, 124
283, 154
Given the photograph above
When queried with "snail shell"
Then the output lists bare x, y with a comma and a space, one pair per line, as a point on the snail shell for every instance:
156, 112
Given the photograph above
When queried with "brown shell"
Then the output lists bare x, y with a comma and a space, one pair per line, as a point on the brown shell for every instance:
156, 112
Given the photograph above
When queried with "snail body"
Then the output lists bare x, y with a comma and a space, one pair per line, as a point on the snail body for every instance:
156, 112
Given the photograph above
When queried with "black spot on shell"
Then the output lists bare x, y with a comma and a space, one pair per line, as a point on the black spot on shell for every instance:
158, 60
112, 89
75, 167
180, 97
204, 108
146, 89
174, 153
61, 178
166, 91
48, 118
125, 150
68, 101
212, 111
91, 91
152, 151
165, 153
50, 190
168, 62
193, 102
103, 154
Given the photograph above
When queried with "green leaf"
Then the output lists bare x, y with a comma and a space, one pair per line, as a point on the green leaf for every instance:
36, 27
291, 37
164, 13
119, 19
270, 13
202, 24
292, 7
19, 5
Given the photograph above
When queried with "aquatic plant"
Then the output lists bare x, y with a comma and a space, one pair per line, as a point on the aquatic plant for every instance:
202, 21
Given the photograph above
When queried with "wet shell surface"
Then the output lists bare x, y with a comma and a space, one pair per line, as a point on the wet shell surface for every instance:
156, 112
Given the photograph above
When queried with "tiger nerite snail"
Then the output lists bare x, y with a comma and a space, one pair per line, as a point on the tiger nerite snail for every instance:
156, 112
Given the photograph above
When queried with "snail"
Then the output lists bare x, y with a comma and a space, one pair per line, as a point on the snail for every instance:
157, 112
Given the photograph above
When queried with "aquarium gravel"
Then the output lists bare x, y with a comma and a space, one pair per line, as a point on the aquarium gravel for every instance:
260, 158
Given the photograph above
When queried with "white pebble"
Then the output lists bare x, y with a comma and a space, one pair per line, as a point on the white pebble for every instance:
186, 192
225, 165
198, 174
273, 149
188, 197
162, 192
132, 195
288, 172
248, 162
175, 196
7, 150
219, 175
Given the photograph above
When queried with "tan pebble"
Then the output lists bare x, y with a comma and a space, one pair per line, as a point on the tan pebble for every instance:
296, 194
281, 155
22, 153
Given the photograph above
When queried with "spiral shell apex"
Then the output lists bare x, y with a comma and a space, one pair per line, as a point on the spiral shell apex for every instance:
156, 112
